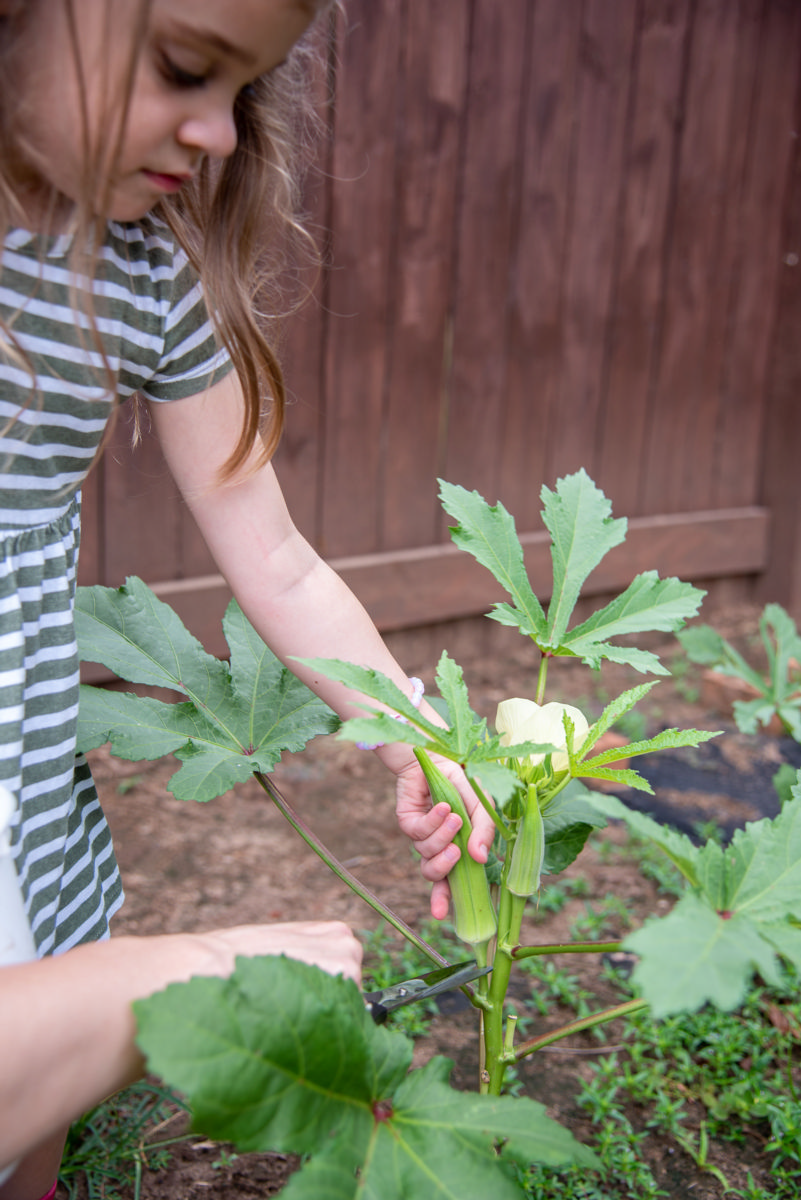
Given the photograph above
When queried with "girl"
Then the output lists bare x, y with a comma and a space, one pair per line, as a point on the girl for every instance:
144, 146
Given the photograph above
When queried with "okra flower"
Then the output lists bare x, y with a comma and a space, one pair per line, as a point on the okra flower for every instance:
521, 720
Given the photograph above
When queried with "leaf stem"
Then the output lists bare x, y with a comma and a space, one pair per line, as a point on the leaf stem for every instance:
566, 948
502, 828
600, 1018
542, 677
333, 863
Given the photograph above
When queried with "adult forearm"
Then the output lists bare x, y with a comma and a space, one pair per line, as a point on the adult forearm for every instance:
66, 1025
67, 1030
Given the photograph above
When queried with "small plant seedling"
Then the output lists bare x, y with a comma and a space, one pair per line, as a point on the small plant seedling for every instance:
778, 693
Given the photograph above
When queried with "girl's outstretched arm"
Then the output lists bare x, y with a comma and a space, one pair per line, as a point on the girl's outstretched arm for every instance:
66, 1025
298, 605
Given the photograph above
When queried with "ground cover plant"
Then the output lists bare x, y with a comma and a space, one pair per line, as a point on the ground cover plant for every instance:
737, 916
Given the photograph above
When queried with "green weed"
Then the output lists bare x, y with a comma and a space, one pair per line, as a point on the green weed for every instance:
110, 1146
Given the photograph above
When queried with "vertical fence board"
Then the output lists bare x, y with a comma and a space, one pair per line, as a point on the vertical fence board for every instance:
781, 443
634, 320
758, 246
362, 211
434, 82
601, 111
489, 183
535, 325
676, 471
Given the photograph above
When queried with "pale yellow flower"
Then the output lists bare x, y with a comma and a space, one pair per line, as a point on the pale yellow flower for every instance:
522, 720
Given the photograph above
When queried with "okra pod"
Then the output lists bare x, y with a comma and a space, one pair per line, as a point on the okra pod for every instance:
528, 852
474, 915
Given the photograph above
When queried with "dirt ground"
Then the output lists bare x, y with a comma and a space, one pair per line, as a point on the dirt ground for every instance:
235, 860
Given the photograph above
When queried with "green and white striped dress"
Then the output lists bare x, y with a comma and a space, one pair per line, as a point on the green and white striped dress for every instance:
157, 338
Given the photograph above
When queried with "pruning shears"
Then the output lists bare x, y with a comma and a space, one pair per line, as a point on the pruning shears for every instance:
407, 991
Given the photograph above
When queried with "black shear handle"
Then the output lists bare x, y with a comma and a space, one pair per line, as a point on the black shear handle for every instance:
377, 1011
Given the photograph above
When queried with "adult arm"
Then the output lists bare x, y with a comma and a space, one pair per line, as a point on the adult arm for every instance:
298, 605
66, 1025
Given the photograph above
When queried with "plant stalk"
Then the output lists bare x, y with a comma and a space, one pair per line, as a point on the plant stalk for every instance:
608, 1014
510, 919
566, 948
342, 872
542, 677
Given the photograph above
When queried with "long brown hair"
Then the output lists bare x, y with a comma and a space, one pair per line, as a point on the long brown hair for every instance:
239, 222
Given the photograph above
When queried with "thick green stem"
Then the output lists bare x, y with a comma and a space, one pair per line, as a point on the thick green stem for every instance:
311, 840
510, 919
567, 948
542, 678
608, 1014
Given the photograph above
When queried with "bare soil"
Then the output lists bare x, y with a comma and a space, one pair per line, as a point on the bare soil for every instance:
235, 860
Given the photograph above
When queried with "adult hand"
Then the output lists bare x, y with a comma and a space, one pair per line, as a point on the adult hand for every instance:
326, 944
432, 829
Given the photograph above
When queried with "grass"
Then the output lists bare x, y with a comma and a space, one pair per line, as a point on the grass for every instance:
110, 1146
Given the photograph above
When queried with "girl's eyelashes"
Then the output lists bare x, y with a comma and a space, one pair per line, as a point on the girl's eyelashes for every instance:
179, 77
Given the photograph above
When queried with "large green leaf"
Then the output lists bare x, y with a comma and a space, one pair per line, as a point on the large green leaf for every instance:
743, 911
489, 534
695, 955
284, 1057
676, 846
648, 603
578, 518
143, 640
237, 719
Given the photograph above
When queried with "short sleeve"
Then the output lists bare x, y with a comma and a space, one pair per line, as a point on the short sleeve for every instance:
176, 352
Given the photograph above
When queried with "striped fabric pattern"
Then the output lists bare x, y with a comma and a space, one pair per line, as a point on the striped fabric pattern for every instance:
55, 401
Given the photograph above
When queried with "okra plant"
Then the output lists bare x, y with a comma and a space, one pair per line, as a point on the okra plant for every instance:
282, 1057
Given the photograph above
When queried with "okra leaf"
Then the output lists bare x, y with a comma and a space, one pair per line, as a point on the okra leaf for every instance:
577, 516
489, 534
716, 937
648, 604
613, 712
568, 820
695, 955
466, 728
703, 645
750, 714
237, 719
677, 846
668, 739
782, 645
501, 783
141, 639
283, 1057
138, 727
373, 684
790, 716
763, 863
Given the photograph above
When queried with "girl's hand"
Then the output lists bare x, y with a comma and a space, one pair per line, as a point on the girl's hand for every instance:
432, 829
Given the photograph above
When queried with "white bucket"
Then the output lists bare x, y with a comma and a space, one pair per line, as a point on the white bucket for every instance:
16, 940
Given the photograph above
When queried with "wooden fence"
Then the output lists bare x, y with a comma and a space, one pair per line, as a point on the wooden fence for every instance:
562, 233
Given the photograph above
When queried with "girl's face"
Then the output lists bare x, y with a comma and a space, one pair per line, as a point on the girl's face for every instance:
194, 60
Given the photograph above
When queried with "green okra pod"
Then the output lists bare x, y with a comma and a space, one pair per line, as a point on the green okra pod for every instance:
528, 852
474, 915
